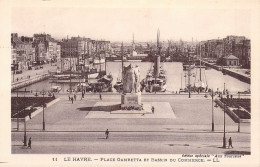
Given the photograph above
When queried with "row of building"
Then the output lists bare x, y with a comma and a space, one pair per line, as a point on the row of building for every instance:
237, 48
42, 48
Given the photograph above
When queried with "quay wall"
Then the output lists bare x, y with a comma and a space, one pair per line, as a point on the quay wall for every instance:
30, 81
237, 75
234, 74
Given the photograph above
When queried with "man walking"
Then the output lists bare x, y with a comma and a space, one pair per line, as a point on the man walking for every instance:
230, 142
30, 143
82, 95
30, 115
72, 100
100, 96
106, 133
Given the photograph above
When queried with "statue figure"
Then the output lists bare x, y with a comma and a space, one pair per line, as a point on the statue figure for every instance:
131, 79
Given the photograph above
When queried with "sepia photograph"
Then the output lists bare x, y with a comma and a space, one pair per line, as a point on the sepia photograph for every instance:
134, 80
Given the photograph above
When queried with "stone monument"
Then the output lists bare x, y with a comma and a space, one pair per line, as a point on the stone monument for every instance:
131, 97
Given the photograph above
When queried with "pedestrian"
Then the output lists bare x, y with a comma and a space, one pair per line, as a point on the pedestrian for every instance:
69, 97
30, 116
75, 97
100, 96
82, 95
72, 100
230, 142
153, 109
106, 133
30, 143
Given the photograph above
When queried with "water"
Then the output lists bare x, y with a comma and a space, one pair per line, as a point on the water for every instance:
175, 76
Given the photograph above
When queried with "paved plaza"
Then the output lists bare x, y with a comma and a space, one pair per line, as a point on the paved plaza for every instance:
178, 125
163, 110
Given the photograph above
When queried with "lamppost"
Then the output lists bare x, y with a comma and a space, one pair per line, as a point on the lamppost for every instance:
224, 88
224, 135
24, 138
212, 96
189, 74
43, 105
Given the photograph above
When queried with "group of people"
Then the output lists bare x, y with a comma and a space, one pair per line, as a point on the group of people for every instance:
74, 97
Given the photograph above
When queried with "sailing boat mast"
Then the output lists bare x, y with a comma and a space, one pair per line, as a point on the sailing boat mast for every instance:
200, 62
70, 62
105, 63
122, 56
84, 59
181, 80
157, 61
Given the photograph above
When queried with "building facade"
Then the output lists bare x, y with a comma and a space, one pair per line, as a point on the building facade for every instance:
50, 51
238, 46
231, 60
23, 53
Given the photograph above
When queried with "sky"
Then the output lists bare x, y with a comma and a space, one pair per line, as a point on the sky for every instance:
118, 24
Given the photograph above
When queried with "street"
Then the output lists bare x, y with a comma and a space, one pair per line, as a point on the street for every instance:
128, 143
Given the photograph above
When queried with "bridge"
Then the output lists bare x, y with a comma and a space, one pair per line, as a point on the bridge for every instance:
128, 58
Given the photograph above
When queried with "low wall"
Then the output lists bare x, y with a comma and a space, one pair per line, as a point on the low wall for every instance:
40, 109
232, 114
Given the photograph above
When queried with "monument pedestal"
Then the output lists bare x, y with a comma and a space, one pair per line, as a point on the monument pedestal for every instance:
131, 101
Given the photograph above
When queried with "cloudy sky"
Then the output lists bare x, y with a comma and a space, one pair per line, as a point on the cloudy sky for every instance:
118, 24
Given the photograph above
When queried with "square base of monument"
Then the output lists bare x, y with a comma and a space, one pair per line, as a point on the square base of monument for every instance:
162, 110
131, 100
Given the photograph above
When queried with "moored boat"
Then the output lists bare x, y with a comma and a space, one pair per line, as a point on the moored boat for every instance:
55, 89
187, 65
155, 80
